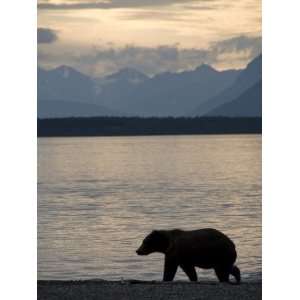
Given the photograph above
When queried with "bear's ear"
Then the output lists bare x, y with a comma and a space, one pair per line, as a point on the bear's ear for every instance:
156, 233
161, 240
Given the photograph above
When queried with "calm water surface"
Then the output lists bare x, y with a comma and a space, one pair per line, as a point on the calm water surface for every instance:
98, 197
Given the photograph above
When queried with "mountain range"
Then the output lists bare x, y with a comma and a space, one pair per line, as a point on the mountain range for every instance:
248, 78
248, 104
66, 92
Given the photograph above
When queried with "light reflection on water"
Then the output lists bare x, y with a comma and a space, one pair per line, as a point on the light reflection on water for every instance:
98, 197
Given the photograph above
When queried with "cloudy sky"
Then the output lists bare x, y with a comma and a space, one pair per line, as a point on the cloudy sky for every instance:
100, 37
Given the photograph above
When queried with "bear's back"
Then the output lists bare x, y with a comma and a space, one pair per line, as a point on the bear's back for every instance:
203, 247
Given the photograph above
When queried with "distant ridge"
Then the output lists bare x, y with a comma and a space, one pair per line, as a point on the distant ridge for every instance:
65, 92
248, 104
64, 83
63, 109
128, 74
174, 94
246, 79
130, 92
114, 126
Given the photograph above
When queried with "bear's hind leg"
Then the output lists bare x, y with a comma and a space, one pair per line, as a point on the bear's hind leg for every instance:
235, 271
222, 274
190, 272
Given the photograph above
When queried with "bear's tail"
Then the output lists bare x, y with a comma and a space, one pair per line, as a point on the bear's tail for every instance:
235, 271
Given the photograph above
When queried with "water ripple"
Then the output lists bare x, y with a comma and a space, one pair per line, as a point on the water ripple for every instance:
97, 203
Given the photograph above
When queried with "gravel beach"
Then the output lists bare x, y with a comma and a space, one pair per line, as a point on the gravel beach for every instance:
140, 290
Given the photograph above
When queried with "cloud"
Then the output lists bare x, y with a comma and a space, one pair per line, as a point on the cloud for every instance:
231, 53
46, 36
238, 44
108, 4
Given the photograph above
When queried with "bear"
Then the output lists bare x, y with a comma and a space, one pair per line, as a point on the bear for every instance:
204, 248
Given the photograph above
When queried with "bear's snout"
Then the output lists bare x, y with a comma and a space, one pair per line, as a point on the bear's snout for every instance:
141, 251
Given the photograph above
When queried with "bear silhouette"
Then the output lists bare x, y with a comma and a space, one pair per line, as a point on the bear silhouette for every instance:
204, 248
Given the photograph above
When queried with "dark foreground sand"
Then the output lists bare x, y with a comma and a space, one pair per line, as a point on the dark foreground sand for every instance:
139, 290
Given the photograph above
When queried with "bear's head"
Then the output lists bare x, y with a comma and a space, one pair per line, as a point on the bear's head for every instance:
156, 241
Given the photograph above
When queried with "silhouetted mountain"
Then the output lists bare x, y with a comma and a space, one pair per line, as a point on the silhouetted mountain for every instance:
252, 73
247, 78
172, 94
126, 75
63, 109
113, 89
130, 91
248, 104
64, 83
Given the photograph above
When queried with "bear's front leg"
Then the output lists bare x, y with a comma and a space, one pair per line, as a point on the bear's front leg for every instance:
170, 268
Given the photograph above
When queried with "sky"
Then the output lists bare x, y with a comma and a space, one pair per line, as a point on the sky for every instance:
100, 37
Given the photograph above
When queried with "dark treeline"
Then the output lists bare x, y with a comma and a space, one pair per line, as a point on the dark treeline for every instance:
122, 126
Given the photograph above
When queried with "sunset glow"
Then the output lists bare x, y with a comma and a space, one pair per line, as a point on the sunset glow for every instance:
103, 36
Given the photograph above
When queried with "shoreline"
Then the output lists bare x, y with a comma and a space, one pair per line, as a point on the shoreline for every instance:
139, 290
144, 135
136, 126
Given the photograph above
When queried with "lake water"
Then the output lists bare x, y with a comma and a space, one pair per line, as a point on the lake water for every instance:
98, 197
